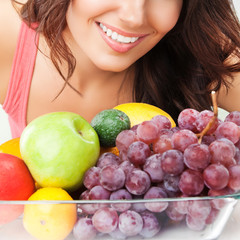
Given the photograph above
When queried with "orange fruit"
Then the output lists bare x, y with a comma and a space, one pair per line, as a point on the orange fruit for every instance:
16, 183
11, 147
139, 112
49, 221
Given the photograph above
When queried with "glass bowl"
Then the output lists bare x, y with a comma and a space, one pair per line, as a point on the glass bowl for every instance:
222, 223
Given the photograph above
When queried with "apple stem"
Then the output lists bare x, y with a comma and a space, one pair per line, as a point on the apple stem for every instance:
212, 120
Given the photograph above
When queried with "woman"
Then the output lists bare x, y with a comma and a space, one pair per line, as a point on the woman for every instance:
88, 55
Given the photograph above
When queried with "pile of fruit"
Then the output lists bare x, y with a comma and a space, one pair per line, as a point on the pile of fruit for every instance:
158, 161
144, 155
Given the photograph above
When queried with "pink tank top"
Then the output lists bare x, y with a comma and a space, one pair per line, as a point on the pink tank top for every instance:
15, 104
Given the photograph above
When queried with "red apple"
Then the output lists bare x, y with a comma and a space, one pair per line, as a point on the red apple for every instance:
16, 183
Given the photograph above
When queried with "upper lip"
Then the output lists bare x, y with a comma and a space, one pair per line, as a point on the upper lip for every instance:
121, 32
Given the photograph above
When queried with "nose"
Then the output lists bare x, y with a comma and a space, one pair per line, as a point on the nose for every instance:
132, 12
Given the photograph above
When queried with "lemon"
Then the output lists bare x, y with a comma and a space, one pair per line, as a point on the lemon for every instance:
108, 124
48, 221
139, 112
11, 147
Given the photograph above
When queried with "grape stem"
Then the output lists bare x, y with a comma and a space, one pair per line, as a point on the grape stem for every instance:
213, 119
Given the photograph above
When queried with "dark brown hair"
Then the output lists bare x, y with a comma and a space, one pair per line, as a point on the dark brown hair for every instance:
181, 69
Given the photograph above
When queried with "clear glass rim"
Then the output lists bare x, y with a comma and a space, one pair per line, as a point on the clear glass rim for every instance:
234, 196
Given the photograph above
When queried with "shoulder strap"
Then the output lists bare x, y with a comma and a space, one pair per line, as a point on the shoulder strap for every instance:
20, 80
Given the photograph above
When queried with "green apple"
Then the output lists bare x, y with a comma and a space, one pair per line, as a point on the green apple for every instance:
59, 148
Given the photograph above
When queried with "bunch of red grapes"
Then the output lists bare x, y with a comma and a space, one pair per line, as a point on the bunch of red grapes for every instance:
156, 162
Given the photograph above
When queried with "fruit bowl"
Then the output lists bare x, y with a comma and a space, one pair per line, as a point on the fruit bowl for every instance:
222, 223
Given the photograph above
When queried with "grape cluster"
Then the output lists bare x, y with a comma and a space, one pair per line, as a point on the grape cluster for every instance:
158, 161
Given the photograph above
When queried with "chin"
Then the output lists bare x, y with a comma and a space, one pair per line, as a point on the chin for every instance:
113, 66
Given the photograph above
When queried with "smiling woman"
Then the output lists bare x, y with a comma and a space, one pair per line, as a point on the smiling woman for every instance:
85, 56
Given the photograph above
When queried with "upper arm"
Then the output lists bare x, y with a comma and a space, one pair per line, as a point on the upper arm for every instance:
9, 28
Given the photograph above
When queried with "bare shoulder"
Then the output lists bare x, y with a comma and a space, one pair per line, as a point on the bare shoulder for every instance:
229, 99
9, 28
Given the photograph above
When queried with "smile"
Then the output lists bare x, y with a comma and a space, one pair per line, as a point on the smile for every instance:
117, 37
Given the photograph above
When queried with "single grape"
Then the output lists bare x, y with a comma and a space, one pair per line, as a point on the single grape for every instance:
219, 203
105, 220
84, 229
112, 177
108, 158
91, 177
216, 176
195, 224
153, 167
137, 182
173, 214
228, 130
156, 192
151, 226
212, 216
99, 193
191, 182
199, 209
182, 205
208, 139
223, 152
182, 139
121, 194
234, 177
197, 156
130, 223
127, 167
230, 143
172, 162
162, 144
203, 119
124, 139
234, 117
138, 152
147, 132
171, 183
87, 208
162, 122
187, 119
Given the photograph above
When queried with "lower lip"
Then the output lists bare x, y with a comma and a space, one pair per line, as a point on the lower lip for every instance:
117, 46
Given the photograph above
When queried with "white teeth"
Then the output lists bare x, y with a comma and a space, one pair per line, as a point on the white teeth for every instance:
104, 28
114, 36
109, 32
117, 37
120, 38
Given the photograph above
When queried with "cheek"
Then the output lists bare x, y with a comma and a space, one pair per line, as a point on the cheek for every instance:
90, 8
165, 19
